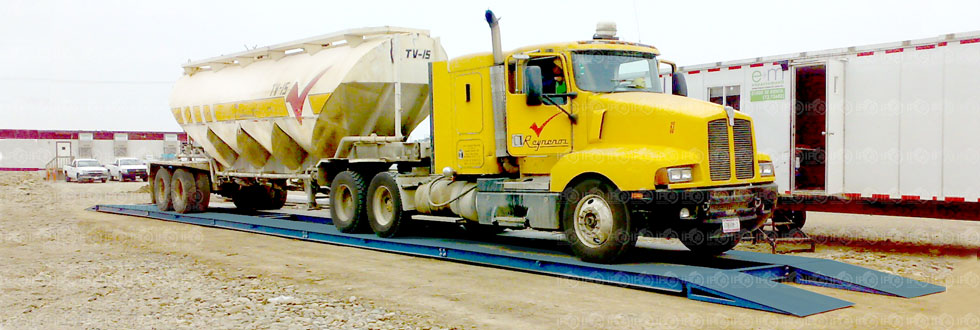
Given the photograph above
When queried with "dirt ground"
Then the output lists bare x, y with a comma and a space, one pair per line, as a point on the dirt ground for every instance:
64, 267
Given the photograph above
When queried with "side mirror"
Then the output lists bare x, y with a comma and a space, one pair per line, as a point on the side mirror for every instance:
533, 85
678, 84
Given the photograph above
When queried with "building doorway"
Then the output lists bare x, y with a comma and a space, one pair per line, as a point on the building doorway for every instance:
810, 128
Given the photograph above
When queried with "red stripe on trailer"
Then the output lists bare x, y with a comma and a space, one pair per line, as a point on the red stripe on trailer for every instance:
969, 41
880, 196
942, 44
714, 70
852, 195
896, 50
955, 199
910, 198
756, 65
787, 192
735, 67
925, 47
866, 54
694, 72
775, 63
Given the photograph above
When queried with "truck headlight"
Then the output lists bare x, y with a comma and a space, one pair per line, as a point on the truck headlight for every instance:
766, 169
679, 174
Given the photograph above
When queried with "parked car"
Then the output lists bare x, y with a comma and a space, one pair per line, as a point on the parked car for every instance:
85, 170
123, 169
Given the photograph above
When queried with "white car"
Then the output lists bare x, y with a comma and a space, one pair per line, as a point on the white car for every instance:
127, 169
85, 170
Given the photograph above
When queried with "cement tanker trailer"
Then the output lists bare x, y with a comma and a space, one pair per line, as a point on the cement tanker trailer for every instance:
576, 137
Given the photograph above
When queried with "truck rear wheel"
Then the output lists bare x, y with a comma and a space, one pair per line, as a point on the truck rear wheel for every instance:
596, 222
384, 206
347, 199
700, 242
161, 190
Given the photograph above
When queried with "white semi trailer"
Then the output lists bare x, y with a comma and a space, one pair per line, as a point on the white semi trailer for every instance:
888, 128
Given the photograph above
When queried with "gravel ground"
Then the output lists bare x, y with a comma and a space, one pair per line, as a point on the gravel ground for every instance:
63, 267
60, 273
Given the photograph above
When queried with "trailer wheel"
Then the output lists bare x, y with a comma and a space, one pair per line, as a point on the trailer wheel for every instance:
384, 206
701, 243
596, 221
161, 190
275, 197
246, 198
347, 199
203, 182
184, 191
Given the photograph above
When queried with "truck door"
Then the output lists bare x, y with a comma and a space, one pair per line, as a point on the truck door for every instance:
835, 126
539, 130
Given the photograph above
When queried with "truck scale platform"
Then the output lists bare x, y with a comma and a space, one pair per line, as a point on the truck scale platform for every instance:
737, 278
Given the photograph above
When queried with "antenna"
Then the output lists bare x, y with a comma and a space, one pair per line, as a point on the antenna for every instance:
636, 18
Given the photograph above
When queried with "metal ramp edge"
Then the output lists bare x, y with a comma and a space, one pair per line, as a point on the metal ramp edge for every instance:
748, 287
836, 274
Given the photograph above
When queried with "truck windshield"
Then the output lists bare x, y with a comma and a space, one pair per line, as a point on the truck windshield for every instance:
129, 162
607, 71
88, 163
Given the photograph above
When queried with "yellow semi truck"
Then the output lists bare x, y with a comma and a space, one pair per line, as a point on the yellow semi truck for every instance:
575, 137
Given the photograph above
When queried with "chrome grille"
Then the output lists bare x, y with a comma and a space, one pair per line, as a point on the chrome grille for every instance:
719, 154
744, 156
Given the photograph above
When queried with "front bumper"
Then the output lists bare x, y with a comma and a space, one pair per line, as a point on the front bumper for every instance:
93, 176
752, 204
133, 174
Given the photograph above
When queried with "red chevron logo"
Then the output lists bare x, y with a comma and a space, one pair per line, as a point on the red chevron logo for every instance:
537, 129
297, 100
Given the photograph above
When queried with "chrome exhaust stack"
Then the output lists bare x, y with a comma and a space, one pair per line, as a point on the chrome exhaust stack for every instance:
498, 53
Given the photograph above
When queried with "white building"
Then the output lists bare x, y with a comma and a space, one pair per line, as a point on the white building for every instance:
33, 150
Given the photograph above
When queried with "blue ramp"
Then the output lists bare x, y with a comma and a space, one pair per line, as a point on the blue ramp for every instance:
743, 279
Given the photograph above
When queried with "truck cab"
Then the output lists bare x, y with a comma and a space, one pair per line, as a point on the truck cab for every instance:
581, 137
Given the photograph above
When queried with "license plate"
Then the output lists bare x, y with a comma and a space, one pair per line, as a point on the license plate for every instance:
730, 225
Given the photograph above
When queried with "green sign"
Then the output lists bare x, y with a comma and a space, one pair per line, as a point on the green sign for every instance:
768, 94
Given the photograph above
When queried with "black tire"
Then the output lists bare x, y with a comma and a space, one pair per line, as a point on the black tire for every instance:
384, 206
699, 241
184, 192
246, 198
104, 180
275, 196
161, 190
589, 241
203, 182
146, 178
347, 199
67, 178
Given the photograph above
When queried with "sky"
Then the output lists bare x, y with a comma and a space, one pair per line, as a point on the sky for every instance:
110, 65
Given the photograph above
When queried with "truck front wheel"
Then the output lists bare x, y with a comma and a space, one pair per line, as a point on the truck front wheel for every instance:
161, 190
596, 221
347, 199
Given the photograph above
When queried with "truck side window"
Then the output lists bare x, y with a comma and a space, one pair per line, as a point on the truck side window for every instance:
553, 74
